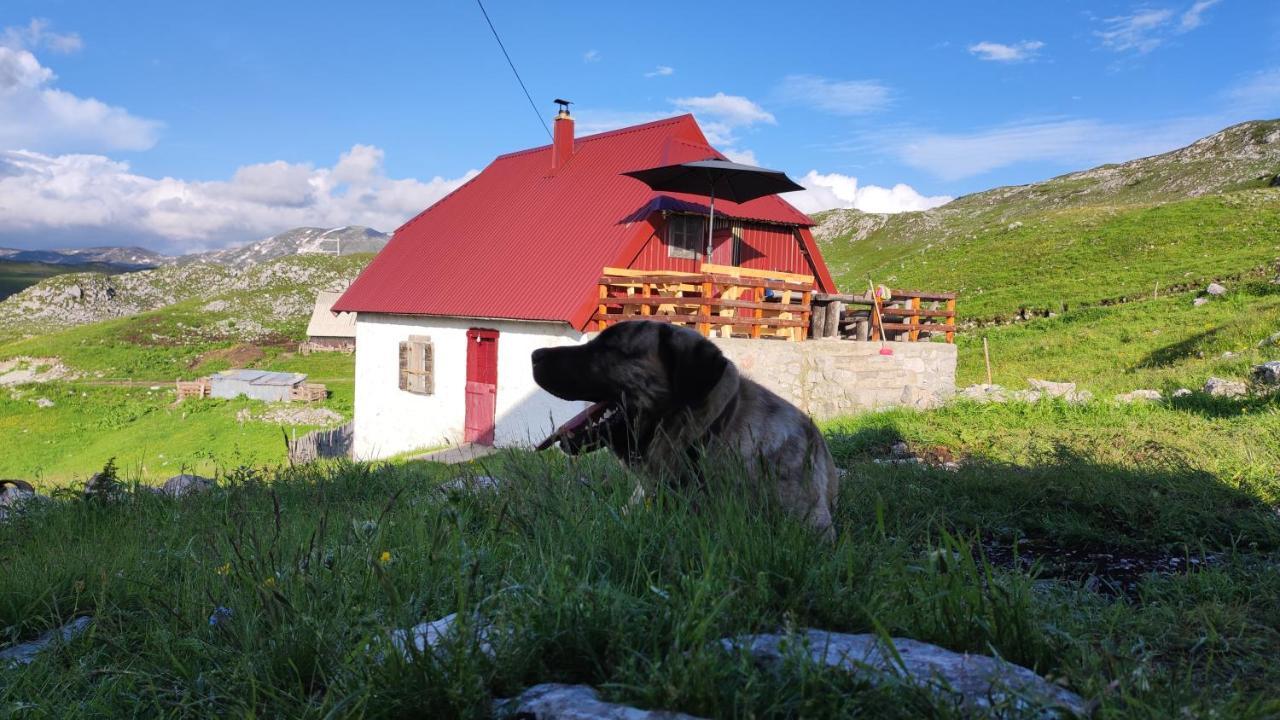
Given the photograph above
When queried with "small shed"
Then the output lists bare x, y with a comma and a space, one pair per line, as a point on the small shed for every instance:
329, 330
257, 384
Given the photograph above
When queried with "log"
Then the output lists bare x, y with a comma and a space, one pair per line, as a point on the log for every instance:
818, 321
831, 323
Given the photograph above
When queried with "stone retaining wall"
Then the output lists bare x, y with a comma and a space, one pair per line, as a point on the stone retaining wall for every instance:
829, 378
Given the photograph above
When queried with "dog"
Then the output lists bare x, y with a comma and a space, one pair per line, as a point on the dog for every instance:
665, 398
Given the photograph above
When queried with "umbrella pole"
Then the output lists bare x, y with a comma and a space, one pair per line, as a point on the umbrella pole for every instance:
711, 226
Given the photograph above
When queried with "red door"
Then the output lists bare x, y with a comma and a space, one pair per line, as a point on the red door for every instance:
482, 386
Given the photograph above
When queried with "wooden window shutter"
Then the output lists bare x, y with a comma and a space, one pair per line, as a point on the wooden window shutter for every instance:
404, 366
417, 366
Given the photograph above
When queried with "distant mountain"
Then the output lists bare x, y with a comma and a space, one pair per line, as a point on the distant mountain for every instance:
130, 258
346, 240
1208, 210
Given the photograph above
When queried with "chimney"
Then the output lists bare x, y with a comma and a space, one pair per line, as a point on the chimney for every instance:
562, 146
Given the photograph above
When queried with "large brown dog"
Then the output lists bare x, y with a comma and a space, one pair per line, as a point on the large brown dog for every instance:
666, 398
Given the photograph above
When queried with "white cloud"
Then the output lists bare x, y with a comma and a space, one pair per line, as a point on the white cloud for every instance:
591, 121
999, 52
34, 115
839, 97
1259, 93
1071, 142
746, 157
36, 34
1147, 28
92, 196
730, 110
591, 56
833, 190
661, 71
1191, 19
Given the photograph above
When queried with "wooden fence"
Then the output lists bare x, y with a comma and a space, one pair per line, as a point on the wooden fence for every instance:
194, 388
720, 300
907, 315
335, 443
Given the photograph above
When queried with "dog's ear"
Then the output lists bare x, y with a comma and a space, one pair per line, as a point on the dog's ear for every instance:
694, 365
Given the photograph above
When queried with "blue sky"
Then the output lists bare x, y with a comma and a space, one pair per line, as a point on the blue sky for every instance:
185, 126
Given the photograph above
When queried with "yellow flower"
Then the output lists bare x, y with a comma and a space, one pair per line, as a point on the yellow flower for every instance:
224, 569
385, 557
269, 582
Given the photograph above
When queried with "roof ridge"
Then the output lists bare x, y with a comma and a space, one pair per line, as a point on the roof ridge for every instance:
675, 119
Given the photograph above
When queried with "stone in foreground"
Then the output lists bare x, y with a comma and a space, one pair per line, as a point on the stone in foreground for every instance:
185, 484
1140, 396
553, 701
979, 684
25, 653
1267, 374
1217, 387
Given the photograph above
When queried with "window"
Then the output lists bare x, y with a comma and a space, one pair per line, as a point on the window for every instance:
685, 236
417, 366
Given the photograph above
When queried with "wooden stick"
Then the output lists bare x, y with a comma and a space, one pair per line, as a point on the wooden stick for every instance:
986, 356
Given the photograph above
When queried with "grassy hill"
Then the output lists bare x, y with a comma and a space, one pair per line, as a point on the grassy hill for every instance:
117, 398
1204, 212
18, 276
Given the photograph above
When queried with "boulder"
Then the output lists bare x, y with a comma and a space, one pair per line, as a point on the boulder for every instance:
44, 402
25, 653
1140, 396
1199, 301
426, 637
1218, 387
978, 684
983, 393
1267, 374
1182, 392
185, 484
1215, 289
1048, 389
553, 701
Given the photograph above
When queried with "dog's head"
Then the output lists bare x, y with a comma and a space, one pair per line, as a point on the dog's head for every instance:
648, 370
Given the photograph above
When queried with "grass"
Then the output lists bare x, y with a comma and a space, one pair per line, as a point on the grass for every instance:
1073, 256
1161, 344
319, 565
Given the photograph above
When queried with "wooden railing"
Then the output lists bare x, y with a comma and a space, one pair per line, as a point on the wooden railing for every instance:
720, 300
907, 315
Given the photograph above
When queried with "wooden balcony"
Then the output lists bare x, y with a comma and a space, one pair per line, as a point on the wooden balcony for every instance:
719, 301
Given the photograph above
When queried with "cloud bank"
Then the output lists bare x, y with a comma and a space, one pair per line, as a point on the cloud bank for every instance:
92, 196
999, 52
833, 190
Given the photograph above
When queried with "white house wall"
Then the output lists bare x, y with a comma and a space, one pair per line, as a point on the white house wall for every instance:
390, 421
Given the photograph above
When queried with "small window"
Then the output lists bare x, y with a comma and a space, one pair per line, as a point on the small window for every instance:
685, 236
417, 366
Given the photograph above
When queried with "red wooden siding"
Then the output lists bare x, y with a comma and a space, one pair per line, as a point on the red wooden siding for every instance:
763, 247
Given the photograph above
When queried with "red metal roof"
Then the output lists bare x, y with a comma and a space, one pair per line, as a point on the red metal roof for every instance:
522, 241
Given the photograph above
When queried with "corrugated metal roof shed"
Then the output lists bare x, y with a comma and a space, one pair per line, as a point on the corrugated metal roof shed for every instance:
523, 241
257, 384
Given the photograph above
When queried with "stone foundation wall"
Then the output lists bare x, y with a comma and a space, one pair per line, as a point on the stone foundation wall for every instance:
829, 378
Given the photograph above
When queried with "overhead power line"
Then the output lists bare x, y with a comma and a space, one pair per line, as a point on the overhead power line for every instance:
513, 68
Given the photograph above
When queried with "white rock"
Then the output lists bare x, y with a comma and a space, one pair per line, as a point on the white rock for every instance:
1199, 301
1140, 396
1218, 387
427, 636
1267, 374
185, 484
1182, 392
553, 701
44, 402
1215, 289
977, 683
25, 653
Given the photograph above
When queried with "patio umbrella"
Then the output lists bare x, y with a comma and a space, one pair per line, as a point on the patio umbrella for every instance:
716, 179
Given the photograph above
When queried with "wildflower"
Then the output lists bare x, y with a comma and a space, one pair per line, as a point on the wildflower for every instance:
221, 616
223, 569
385, 557
270, 582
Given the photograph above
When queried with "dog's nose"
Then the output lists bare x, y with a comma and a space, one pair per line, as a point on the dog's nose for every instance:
538, 355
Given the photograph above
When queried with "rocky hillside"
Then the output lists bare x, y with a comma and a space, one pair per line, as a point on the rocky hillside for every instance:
347, 240
254, 298
1205, 211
